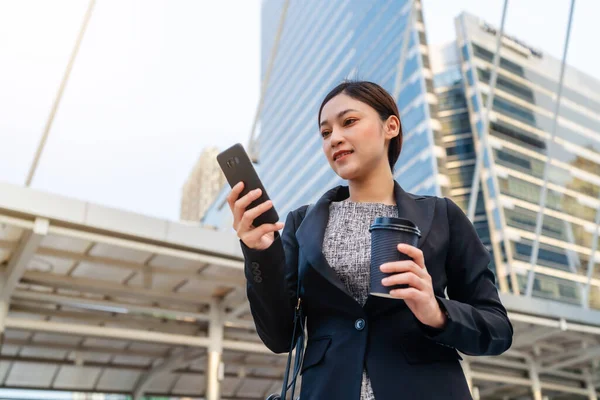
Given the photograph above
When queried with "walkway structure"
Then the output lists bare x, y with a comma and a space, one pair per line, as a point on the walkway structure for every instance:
101, 300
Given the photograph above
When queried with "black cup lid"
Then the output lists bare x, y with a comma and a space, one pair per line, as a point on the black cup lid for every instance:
395, 223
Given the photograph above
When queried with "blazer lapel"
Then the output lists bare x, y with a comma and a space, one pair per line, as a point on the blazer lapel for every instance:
310, 236
418, 209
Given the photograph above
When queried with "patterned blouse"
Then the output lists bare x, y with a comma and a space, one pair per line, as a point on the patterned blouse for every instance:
347, 248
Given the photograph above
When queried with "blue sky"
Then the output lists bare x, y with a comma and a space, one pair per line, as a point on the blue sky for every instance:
156, 81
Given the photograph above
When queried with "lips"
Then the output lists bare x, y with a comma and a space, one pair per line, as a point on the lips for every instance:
341, 154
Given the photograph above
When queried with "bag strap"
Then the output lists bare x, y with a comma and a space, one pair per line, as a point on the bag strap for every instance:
297, 342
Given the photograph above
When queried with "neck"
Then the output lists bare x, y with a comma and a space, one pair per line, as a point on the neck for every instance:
377, 187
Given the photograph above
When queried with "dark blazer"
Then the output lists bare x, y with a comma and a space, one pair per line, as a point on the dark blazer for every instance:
404, 358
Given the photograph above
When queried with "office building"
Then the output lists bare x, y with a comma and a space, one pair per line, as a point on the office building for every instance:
202, 186
520, 130
383, 42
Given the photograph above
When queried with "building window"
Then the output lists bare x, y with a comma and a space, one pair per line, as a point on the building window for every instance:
518, 136
488, 56
507, 85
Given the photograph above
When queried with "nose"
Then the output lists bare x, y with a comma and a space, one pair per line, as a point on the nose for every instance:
336, 138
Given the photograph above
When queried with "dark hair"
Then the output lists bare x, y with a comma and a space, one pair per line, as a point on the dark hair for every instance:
377, 97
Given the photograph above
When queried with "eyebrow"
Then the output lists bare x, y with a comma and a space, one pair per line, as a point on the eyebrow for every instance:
340, 114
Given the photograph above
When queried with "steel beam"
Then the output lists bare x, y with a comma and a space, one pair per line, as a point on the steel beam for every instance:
138, 267
566, 355
123, 307
483, 142
108, 288
588, 355
142, 246
22, 256
84, 349
59, 95
129, 334
119, 307
535, 334
542, 204
239, 310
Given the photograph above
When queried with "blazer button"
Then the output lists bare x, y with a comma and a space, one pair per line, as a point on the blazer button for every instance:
359, 324
256, 272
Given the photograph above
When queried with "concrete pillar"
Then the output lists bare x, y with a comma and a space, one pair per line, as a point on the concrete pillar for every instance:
475, 392
214, 370
536, 387
3, 314
467, 371
591, 387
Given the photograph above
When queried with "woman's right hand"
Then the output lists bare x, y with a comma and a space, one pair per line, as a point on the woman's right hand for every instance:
257, 238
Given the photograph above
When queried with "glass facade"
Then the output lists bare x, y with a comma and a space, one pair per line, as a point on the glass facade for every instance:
453, 114
357, 40
441, 109
520, 148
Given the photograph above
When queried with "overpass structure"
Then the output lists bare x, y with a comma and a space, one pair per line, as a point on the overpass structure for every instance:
95, 299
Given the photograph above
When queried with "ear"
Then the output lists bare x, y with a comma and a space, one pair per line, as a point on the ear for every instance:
391, 127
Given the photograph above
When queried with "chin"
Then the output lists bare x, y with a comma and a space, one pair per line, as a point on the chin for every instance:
347, 173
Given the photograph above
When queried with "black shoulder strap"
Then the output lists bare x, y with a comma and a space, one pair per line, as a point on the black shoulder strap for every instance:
299, 286
297, 340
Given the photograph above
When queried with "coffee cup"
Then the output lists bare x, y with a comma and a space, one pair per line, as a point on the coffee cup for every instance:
386, 234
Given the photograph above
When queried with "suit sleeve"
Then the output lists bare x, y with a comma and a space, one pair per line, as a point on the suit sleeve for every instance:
272, 278
477, 321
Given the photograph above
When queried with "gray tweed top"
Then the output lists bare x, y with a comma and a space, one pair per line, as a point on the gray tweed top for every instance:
347, 248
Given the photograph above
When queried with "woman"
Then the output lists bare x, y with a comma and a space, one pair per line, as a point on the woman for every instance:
361, 346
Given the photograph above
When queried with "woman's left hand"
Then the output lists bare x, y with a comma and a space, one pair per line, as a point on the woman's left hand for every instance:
419, 296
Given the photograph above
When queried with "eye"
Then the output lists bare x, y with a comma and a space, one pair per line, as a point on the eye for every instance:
350, 121
325, 133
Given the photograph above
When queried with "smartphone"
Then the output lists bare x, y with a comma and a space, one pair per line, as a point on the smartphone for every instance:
236, 166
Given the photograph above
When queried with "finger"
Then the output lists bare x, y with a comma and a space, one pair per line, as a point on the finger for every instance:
255, 234
406, 294
413, 252
242, 203
402, 266
406, 278
253, 213
234, 194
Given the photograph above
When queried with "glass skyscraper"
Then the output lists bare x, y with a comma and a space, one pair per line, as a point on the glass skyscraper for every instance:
321, 44
520, 148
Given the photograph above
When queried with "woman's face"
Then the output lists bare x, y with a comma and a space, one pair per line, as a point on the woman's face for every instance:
350, 126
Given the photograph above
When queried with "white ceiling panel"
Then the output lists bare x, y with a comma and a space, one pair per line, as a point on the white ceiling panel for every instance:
72, 377
118, 379
65, 243
119, 253
162, 383
43, 353
101, 271
30, 374
190, 384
